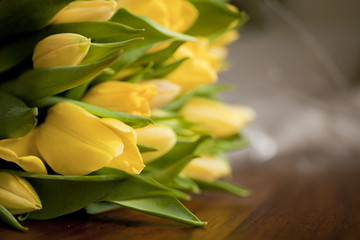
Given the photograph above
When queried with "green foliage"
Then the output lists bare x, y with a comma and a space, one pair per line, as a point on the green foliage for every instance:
223, 186
17, 16
43, 82
8, 218
16, 119
153, 34
214, 17
164, 207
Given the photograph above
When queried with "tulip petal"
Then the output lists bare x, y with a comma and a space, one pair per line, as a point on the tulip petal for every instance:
74, 142
17, 195
207, 167
122, 97
131, 160
158, 136
81, 11
23, 152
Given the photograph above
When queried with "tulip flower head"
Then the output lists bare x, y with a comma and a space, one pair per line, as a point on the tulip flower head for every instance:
200, 67
166, 91
82, 11
75, 142
63, 49
176, 15
17, 195
207, 168
125, 97
158, 136
219, 119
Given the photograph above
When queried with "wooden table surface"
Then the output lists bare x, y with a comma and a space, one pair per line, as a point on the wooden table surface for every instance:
303, 196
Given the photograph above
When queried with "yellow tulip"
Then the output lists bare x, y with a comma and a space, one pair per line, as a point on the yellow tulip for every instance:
75, 142
122, 96
219, 119
158, 136
207, 168
176, 15
63, 49
200, 67
23, 152
166, 91
82, 11
17, 195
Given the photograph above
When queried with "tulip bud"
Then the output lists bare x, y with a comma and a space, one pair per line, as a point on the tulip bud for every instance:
82, 11
122, 96
207, 168
219, 119
74, 142
17, 195
176, 15
166, 91
23, 152
64, 49
158, 136
200, 67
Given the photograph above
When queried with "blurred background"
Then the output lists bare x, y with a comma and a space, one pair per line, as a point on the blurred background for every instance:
297, 63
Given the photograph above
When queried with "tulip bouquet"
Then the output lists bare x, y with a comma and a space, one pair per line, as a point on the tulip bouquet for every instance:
107, 104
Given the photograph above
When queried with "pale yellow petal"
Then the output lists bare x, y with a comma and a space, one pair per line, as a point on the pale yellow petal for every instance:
82, 11
23, 152
216, 118
122, 96
158, 136
130, 160
166, 92
17, 195
207, 167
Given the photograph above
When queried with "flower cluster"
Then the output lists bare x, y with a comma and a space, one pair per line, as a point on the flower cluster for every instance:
118, 99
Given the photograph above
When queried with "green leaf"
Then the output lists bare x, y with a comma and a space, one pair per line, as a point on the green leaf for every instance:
16, 119
43, 82
100, 207
215, 146
99, 51
153, 34
177, 154
140, 75
223, 186
185, 184
158, 57
136, 186
211, 90
166, 168
168, 174
129, 119
214, 17
17, 16
144, 148
179, 102
164, 207
99, 32
164, 70
16, 50
7, 217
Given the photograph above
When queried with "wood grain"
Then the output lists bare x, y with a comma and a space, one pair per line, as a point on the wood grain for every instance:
303, 196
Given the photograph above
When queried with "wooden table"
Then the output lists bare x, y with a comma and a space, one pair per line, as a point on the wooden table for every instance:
303, 196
